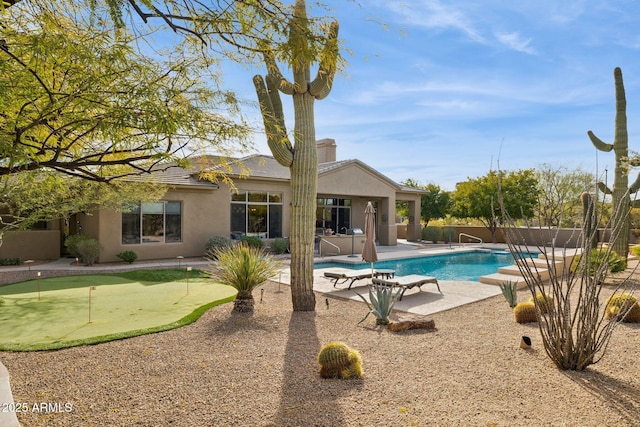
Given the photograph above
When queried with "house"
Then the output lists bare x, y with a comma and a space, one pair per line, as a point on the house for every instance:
194, 210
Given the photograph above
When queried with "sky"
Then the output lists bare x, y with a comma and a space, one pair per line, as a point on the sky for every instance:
452, 89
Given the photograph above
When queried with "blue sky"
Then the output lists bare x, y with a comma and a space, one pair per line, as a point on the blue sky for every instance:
451, 88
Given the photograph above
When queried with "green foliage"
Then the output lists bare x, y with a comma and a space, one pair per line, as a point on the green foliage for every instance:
559, 192
478, 198
598, 257
244, 268
217, 242
635, 250
510, 291
448, 234
433, 205
620, 193
128, 256
252, 241
71, 243
543, 301
88, 250
123, 115
623, 307
337, 360
10, 261
279, 245
431, 233
525, 312
381, 302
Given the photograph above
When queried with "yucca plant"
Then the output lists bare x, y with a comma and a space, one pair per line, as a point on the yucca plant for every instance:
381, 302
243, 268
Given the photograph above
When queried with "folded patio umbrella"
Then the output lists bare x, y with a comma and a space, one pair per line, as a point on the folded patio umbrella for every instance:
369, 252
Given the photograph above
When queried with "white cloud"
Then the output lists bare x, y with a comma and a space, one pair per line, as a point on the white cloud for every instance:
515, 42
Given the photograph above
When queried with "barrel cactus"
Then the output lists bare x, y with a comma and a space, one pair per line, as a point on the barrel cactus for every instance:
544, 302
337, 360
623, 307
525, 312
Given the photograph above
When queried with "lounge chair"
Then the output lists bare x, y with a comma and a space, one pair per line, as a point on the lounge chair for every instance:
340, 278
407, 282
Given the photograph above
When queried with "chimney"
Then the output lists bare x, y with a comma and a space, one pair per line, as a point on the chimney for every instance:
326, 150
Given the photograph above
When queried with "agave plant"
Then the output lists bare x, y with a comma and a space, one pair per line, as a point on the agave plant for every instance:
381, 302
243, 268
510, 291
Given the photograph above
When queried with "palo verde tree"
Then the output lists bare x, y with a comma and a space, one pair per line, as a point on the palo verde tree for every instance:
478, 198
620, 194
78, 101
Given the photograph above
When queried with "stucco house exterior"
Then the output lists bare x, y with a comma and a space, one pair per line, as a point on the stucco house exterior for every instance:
193, 210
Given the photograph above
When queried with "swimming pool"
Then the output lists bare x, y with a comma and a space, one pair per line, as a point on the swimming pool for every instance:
456, 266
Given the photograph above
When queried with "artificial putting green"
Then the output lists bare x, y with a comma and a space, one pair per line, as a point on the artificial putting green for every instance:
89, 309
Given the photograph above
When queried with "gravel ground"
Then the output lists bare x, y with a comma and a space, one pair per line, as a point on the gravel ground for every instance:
260, 369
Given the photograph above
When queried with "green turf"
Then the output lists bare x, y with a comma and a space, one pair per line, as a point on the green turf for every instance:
119, 307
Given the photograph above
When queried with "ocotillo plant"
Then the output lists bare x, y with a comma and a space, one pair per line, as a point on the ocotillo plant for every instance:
304, 164
621, 201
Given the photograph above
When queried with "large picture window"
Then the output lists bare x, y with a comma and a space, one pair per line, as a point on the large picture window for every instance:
152, 222
256, 213
333, 214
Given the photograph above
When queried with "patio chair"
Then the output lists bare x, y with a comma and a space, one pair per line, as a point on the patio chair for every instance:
407, 282
340, 278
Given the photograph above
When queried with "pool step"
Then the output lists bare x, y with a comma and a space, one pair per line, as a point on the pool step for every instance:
500, 278
515, 271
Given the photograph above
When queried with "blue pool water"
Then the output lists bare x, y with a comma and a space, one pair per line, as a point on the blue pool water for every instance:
459, 266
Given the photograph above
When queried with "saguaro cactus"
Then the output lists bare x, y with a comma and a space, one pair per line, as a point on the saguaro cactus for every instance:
301, 157
620, 195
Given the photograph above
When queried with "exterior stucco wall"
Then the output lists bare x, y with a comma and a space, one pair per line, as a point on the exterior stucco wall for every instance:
35, 244
362, 186
205, 213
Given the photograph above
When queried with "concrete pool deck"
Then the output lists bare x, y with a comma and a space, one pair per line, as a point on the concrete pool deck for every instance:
421, 302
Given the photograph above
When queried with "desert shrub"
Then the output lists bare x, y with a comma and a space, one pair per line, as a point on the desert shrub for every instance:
217, 242
623, 305
431, 233
88, 250
10, 261
615, 263
545, 301
635, 250
448, 234
71, 243
128, 256
337, 360
244, 268
525, 312
252, 241
279, 245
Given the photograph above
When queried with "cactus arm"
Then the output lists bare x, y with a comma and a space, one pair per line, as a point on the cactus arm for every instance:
598, 143
635, 186
273, 119
321, 85
603, 187
273, 70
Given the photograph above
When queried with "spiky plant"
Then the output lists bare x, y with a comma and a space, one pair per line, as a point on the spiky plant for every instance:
381, 302
510, 291
543, 301
620, 193
623, 307
338, 360
525, 312
243, 268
